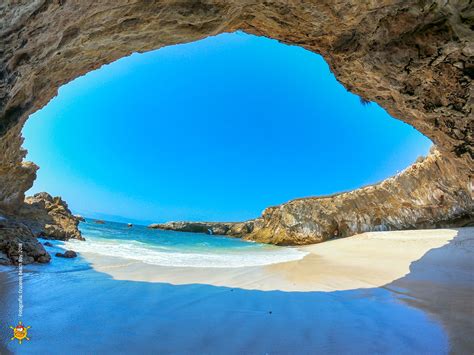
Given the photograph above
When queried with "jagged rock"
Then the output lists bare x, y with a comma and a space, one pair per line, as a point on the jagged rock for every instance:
48, 244
80, 218
68, 254
49, 217
43, 216
12, 234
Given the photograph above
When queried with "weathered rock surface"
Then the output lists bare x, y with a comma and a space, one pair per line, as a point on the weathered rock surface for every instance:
12, 234
42, 216
431, 193
414, 58
49, 217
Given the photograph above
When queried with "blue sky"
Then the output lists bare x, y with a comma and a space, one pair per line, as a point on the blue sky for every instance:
217, 129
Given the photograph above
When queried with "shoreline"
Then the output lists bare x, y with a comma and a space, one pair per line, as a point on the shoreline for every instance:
409, 291
336, 265
429, 270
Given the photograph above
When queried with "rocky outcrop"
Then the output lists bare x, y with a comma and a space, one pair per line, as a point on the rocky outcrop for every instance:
49, 217
42, 216
234, 229
431, 193
15, 239
79, 218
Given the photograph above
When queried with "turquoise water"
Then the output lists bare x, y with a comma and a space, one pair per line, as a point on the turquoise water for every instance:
178, 249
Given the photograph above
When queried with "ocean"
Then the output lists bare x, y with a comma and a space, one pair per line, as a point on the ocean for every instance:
177, 249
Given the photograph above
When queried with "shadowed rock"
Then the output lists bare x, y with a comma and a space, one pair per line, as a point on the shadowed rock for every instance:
68, 254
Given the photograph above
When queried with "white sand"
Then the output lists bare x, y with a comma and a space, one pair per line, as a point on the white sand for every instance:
363, 261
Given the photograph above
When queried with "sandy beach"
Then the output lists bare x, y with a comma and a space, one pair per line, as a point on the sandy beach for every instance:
431, 269
409, 291
362, 261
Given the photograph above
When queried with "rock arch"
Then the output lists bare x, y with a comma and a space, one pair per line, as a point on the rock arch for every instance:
414, 58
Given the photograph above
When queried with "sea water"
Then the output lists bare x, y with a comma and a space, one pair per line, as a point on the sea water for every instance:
177, 249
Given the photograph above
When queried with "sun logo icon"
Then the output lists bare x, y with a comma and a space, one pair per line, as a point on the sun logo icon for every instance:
20, 332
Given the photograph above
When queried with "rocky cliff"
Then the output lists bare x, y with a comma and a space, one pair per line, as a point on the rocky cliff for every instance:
42, 216
431, 193
414, 58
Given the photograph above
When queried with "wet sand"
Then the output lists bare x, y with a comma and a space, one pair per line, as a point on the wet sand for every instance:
4, 306
405, 292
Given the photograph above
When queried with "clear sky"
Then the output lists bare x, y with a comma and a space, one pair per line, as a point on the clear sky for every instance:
217, 129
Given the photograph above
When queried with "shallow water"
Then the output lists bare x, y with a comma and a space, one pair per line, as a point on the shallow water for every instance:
72, 308
168, 248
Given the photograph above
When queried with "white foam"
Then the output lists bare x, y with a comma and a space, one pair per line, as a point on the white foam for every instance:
133, 250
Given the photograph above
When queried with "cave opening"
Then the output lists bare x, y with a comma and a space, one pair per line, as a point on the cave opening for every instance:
216, 129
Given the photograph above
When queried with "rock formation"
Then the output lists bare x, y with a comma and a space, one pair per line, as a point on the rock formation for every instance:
13, 234
68, 254
431, 193
42, 216
235, 229
80, 218
414, 58
49, 217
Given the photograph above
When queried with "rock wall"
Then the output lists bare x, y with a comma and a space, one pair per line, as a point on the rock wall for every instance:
414, 58
431, 193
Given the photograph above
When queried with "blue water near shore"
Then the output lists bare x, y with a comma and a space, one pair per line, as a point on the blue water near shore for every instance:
168, 248
75, 309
